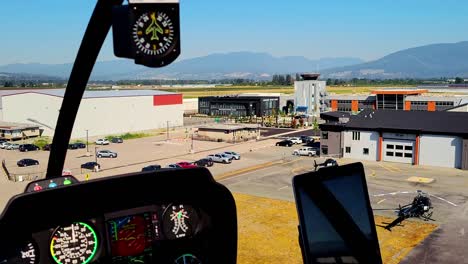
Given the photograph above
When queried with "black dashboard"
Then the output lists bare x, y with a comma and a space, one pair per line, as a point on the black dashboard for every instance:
174, 216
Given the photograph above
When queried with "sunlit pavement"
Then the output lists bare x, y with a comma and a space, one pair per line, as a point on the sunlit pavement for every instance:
265, 170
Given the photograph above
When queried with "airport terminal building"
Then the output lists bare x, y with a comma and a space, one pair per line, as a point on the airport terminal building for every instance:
101, 113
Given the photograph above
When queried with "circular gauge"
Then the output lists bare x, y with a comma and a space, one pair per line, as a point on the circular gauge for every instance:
187, 259
25, 255
153, 34
76, 243
179, 221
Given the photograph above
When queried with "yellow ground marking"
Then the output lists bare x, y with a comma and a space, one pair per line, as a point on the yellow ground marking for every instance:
381, 201
420, 180
387, 168
268, 233
252, 168
245, 170
393, 167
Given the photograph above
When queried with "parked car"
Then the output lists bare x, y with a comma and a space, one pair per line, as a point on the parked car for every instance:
28, 147
174, 166
117, 140
187, 165
102, 142
4, 144
80, 145
285, 143
305, 152
313, 144
326, 163
12, 146
47, 147
204, 162
90, 165
305, 138
151, 168
296, 140
106, 154
72, 146
221, 158
233, 154
27, 162
66, 172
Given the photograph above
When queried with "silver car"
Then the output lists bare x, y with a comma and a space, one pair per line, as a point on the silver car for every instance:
106, 154
221, 158
232, 155
12, 146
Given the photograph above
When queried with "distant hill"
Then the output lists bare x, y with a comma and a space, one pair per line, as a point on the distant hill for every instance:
431, 61
216, 66
5, 76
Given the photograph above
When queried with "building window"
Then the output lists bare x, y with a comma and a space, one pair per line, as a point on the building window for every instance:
390, 154
356, 135
408, 147
399, 147
408, 155
348, 149
398, 154
390, 147
365, 151
325, 150
324, 135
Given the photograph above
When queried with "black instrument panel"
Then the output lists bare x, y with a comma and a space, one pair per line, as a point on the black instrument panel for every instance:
157, 217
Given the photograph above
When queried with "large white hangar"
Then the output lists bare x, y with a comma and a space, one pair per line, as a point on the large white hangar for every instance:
101, 112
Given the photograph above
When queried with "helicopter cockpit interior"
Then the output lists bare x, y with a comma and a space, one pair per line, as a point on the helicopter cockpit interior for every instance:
176, 216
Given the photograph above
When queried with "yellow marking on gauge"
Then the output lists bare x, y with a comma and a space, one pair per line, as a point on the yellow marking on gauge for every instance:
139, 33
155, 47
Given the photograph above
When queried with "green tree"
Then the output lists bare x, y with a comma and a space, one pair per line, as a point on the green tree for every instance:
459, 80
298, 77
8, 84
288, 80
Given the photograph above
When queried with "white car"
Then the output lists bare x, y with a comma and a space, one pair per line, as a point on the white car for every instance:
102, 142
296, 140
4, 144
106, 154
221, 158
305, 152
12, 146
232, 155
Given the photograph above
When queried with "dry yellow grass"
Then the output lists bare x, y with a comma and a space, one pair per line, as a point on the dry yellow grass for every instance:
268, 233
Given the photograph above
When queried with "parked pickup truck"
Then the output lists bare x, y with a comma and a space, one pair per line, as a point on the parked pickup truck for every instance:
221, 158
305, 152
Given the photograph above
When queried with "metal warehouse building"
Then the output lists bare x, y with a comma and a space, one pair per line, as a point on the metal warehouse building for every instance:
414, 137
101, 112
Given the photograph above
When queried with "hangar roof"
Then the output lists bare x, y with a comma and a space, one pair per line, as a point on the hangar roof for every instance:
88, 93
446, 123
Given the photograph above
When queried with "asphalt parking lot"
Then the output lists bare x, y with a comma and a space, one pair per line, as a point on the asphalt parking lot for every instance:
266, 170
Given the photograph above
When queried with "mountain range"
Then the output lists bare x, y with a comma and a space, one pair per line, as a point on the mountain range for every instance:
430, 61
247, 65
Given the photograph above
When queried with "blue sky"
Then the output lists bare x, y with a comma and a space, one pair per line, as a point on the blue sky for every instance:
50, 31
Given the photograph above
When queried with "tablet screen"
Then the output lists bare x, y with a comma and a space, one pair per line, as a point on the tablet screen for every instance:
324, 244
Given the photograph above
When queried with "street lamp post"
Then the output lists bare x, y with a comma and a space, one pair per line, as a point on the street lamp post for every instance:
87, 144
95, 153
167, 131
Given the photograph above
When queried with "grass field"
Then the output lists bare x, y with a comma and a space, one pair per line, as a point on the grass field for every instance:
268, 233
231, 90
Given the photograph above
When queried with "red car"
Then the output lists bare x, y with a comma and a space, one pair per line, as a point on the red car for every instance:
187, 165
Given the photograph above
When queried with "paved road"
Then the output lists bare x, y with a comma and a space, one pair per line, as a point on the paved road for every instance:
449, 197
274, 181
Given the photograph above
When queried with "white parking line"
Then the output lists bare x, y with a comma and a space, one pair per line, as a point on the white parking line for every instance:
282, 188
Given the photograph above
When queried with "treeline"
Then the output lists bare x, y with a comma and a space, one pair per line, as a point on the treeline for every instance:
30, 84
